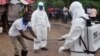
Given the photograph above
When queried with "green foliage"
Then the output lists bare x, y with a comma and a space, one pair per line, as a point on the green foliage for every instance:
58, 4
55, 3
94, 2
61, 3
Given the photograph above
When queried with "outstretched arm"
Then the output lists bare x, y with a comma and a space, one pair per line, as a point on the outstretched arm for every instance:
32, 32
25, 36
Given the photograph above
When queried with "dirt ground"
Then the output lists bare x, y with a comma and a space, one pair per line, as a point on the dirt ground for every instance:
58, 29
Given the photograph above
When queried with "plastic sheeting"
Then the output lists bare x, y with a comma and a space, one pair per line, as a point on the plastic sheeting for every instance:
14, 1
3, 2
22, 1
2, 10
13, 12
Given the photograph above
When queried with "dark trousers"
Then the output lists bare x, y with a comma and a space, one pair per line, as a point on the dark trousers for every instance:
65, 18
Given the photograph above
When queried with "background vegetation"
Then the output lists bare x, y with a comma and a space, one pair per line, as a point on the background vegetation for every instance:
61, 3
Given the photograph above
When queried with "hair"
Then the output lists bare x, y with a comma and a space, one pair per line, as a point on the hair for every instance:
26, 15
93, 6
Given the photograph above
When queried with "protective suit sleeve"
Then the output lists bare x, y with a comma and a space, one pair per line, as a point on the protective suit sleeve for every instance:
64, 36
73, 35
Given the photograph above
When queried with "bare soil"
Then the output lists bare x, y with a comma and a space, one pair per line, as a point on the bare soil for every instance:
58, 29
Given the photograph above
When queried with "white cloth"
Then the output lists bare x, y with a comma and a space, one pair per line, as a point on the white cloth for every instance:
40, 23
13, 12
18, 25
24, 2
77, 29
14, 1
65, 11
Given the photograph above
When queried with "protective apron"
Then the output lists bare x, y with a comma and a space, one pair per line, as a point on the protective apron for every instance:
78, 30
40, 23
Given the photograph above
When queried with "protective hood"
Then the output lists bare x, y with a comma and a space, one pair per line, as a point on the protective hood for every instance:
76, 10
40, 4
38, 11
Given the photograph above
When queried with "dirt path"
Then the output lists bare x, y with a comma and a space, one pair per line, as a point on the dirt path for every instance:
58, 29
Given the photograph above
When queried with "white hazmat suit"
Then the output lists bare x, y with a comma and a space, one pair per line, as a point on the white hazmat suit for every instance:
40, 25
78, 29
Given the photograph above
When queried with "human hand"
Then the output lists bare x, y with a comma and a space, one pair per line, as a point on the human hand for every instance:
31, 39
36, 40
61, 49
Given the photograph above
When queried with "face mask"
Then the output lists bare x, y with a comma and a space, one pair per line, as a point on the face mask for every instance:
41, 7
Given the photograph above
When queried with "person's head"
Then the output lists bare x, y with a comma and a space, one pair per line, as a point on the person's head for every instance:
93, 6
26, 17
76, 9
41, 5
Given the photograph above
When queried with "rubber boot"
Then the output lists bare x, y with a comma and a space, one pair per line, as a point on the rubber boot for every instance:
24, 53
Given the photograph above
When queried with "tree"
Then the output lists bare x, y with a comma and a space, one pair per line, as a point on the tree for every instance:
61, 3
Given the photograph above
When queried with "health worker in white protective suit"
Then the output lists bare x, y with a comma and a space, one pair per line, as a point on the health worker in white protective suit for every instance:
40, 25
78, 28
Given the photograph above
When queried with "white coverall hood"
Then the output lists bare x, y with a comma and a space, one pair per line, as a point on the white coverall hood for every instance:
76, 10
41, 4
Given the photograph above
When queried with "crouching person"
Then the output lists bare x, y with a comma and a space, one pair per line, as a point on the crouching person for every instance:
16, 33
